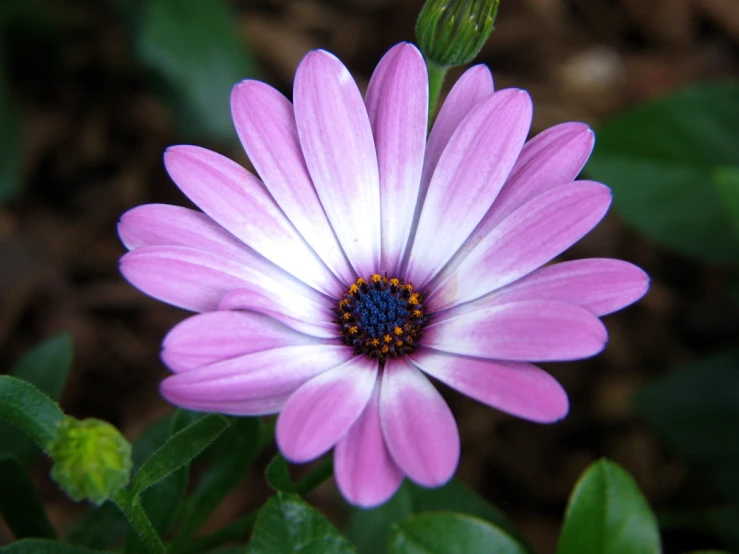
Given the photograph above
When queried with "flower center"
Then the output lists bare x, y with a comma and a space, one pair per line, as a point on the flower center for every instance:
383, 318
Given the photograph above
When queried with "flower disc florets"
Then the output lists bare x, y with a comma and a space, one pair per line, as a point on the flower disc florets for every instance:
382, 318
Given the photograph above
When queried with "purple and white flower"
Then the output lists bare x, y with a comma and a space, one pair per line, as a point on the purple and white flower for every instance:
366, 257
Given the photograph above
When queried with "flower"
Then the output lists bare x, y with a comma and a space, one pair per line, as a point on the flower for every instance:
366, 258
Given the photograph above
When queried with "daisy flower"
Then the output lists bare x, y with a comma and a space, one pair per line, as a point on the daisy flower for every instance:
365, 259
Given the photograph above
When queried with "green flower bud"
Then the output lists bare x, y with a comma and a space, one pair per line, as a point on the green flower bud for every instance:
452, 32
92, 460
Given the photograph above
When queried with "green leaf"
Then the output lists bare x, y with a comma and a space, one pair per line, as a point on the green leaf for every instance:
287, 525
726, 180
607, 514
194, 46
29, 409
695, 410
41, 546
23, 512
370, 530
10, 142
449, 533
279, 478
178, 450
46, 366
100, 527
659, 159
234, 452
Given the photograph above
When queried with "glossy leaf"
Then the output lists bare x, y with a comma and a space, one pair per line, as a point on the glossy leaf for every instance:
46, 366
287, 525
20, 506
659, 159
195, 47
179, 449
29, 409
450, 533
696, 411
370, 530
607, 514
41, 546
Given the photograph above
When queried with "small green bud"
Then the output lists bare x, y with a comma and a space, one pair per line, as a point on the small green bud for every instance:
452, 32
92, 460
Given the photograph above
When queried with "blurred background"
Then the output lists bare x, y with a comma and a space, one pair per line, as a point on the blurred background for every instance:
93, 91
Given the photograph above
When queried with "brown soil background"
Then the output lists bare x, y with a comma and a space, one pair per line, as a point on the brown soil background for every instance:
93, 140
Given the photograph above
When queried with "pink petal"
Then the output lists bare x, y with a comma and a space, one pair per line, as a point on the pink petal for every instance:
517, 388
265, 123
297, 312
339, 150
255, 379
250, 407
208, 338
321, 411
601, 286
197, 280
365, 472
471, 88
530, 237
397, 104
418, 426
530, 330
239, 202
553, 157
468, 177
165, 225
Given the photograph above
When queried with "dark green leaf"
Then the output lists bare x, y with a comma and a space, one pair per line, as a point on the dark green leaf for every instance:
23, 512
162, 501
659, 159
29, 409
607, 514
370, 530
41, 546
195, 47
234, 452
100, 527
726, 180
178, 450
287, 525
279, 478
449, 533
696, 410
10, 142
46, 367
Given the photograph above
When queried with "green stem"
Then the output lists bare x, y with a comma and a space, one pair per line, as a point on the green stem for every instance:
436, 80
134, 512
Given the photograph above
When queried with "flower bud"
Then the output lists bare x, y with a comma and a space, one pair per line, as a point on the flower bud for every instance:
92, 460
452, 32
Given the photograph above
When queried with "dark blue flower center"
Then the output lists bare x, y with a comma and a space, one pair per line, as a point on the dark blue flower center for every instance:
382, 318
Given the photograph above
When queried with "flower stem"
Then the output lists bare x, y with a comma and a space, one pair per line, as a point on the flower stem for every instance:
436, 80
